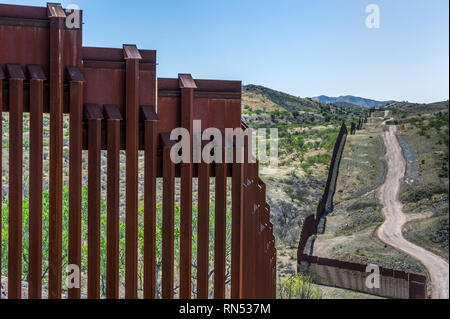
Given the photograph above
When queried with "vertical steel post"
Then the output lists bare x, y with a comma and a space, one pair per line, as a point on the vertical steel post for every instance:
37, 78
220, 230
16, 78
167, 279
150, 174
237, 208
113, 119
187, 86
57, 16
203, 231
94, 116
132, 58
75, 171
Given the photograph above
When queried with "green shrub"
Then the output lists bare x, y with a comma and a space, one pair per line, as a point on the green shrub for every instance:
413, 194
363, 204
298, 287
305, 166
319, 159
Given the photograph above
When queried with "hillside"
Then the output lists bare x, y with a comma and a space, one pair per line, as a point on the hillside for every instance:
262, 98
345, 104
355, 100
407, 108
264, 107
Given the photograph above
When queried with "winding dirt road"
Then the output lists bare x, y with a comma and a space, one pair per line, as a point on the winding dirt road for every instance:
391, 231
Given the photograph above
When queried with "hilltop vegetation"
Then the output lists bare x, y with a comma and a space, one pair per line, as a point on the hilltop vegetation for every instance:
264, 106
405, 109
265, 99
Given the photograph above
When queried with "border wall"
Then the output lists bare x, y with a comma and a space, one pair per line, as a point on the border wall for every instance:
393, 283
311, 223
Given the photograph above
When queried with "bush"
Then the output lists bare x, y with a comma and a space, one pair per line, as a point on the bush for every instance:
306, 167
362, 204
298, 287
319, 159
414, 195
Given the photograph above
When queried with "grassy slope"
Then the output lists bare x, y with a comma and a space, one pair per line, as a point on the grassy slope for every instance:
263, 106
259, 97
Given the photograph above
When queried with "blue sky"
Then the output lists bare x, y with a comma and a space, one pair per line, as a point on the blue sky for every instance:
303, 47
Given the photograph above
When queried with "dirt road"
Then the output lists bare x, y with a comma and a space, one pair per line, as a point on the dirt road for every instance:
391, 231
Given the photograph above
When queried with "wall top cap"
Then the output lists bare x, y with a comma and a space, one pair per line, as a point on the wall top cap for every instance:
186, 81
148, 113
55, 10
35, 72
93, 112
15, 71
131, 51
111, 112
75, 74
165, 140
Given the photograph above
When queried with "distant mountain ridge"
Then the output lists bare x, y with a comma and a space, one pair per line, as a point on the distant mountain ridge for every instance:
356, 100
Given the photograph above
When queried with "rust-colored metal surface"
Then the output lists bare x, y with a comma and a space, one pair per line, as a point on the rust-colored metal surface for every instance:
56, 69
93, 115
132, 57
203, 231
16, 79
220, 234
116, 103
37, 78
167, 280
113, 119
76, 84
151, 152
187, 86
237, 210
